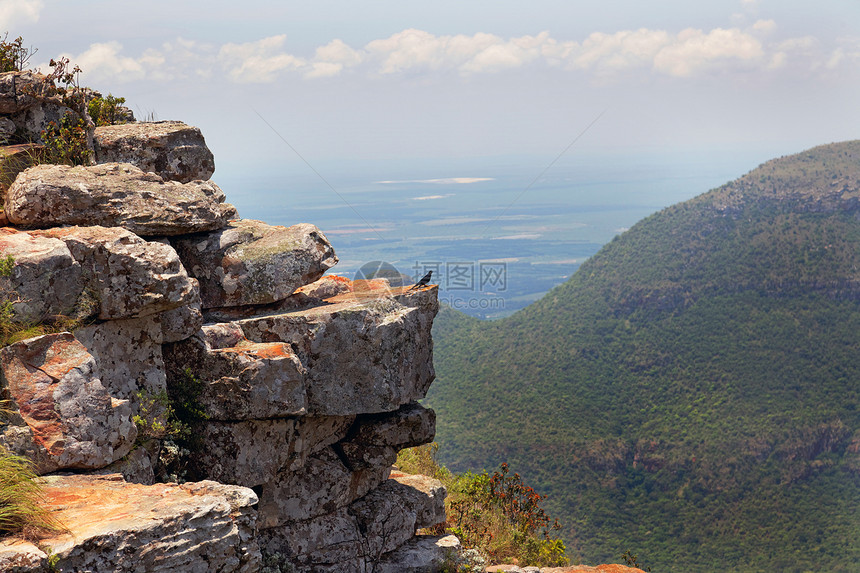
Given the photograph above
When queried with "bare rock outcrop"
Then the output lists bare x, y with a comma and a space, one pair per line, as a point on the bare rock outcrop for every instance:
171, 149
249, 262
253, 452
129, 355
362, 353
115, 195
360, 535
301, 387
421, 554
116, 526
129, 276
46, 279
62, 415
245, 382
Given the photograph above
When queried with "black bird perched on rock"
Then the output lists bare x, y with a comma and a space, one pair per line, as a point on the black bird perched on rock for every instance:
423, 282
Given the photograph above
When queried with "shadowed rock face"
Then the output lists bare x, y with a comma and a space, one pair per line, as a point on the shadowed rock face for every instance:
171, 149
115, 195
361, 533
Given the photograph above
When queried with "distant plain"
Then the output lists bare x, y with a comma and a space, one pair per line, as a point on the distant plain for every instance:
498, 232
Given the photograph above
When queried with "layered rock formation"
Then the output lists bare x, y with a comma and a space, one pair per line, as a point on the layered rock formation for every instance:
297, 391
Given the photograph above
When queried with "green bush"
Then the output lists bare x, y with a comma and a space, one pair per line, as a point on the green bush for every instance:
498, 514
66, 143
104, 111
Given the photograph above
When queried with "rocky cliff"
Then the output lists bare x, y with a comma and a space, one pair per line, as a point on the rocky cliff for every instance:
294, 391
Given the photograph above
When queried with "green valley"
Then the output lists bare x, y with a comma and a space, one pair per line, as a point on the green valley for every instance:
691, 393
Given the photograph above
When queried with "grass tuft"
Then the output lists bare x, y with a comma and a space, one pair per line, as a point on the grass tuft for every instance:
21, 502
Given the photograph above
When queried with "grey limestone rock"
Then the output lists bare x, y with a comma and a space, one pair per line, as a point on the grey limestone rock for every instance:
46, 278
361, 355
421, 554
363, 532
130, 277
253, 452
112, 525
172, 149
242, 382
63, 417
129, 355
250, 262
115, 195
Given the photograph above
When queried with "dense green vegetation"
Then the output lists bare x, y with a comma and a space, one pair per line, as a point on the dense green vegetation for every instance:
691, 393
497, 517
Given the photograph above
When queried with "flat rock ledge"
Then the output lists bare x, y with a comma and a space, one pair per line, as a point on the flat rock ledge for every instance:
115, 195
198, 527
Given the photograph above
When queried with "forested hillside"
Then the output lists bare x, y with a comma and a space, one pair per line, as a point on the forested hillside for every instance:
691, 392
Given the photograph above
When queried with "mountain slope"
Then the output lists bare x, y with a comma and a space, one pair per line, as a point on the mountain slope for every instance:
691, 392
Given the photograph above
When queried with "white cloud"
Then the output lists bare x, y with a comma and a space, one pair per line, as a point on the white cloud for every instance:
603, 56
618, 51
14, 12
694, 51
765, 26
331, 59
105, 61
257, 62
514, 53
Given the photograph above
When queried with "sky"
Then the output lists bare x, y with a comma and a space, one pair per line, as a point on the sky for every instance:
336, 81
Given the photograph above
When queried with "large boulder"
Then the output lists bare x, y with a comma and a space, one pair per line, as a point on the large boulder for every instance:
46, 279
61, 416
421, 554
184, 321
240, 382
250, 262
115, 195
117, 526
19, 90
362, 353
131, 277
172, 149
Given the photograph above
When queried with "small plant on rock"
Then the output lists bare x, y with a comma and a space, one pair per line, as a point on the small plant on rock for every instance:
13, 55
632, 561
21, 511
66, 143
156, 418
